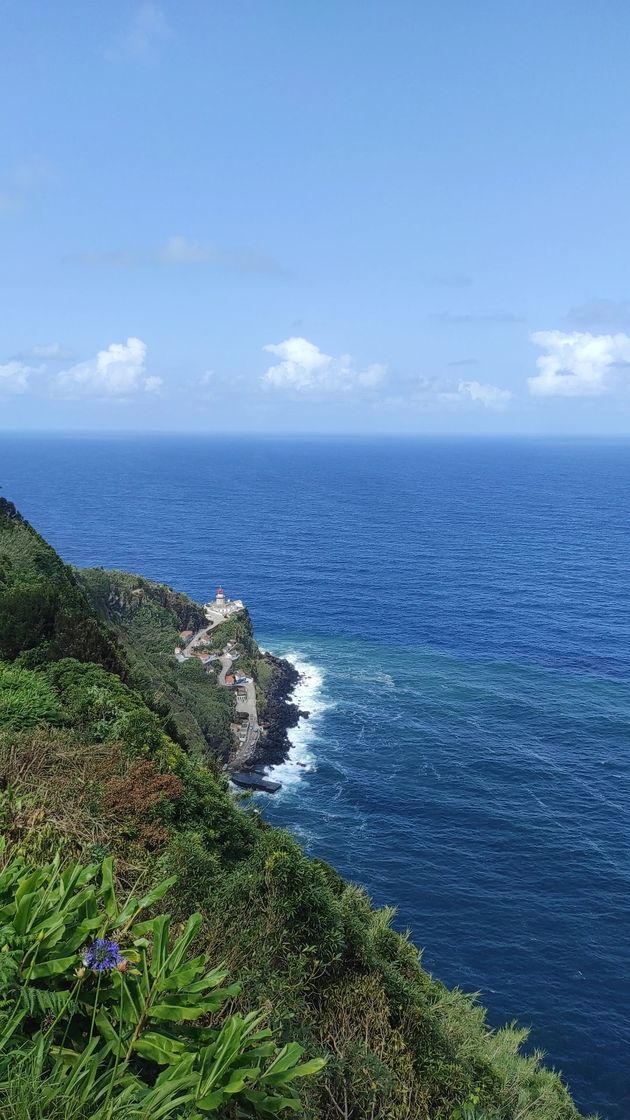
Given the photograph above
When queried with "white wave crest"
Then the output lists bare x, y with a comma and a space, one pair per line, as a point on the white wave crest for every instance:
309, 696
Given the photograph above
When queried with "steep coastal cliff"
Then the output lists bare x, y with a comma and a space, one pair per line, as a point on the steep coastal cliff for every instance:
109, 746
149, 618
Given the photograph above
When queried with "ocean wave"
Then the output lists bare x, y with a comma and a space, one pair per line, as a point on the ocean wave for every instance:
310, 696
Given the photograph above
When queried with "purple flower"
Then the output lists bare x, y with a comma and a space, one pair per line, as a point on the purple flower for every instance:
103, 956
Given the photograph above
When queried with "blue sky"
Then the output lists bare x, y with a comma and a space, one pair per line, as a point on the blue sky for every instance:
291, 215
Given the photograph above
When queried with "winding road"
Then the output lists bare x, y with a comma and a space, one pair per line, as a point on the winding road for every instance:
245, 705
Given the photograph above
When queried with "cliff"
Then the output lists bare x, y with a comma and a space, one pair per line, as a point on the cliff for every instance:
107, 746
147, 619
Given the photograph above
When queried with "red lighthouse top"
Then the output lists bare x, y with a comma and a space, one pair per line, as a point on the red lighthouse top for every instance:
220, 591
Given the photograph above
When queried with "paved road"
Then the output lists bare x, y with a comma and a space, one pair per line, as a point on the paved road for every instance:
245, 706
197, 639
188, 648
202, 635
226, 665
215, 618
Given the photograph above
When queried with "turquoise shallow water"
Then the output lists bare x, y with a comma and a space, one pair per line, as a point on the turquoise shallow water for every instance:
460, 612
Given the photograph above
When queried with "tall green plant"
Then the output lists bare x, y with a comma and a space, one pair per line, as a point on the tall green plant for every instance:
120, 1014
26, 699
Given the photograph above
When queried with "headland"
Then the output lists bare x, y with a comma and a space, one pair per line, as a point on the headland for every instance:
259, 687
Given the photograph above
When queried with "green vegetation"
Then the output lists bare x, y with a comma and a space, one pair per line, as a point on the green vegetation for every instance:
98, 762
148, 619
26, 699
102, 1010
238, 629
43, 611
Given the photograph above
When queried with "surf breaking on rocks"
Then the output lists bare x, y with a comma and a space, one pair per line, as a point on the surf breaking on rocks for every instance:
309, 697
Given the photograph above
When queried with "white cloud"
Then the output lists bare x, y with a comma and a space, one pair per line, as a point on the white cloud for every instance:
181, 250
490, 396
304, 368
208, 385
119, 372
14, 378
436, 393
578, 364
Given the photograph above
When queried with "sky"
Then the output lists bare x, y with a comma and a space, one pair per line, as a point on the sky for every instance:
397, 216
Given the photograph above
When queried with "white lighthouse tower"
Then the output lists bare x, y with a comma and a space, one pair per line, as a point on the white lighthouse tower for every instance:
221, 607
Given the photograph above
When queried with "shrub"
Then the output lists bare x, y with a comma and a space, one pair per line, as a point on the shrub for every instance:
134, 800
107, 1010
193, 890
26, 699
100, 707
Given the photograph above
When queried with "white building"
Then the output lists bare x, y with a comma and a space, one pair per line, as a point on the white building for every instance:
220, 607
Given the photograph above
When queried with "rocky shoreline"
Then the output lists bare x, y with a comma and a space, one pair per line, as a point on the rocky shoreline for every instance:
281, 714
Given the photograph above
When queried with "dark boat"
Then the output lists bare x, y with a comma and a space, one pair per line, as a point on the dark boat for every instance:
255, 781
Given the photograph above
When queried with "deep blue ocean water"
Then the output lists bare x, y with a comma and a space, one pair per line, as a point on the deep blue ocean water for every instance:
461, 612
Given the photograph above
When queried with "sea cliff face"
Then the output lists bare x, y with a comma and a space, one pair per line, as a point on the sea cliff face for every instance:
110, 747
116, 594
280, 714
149, 618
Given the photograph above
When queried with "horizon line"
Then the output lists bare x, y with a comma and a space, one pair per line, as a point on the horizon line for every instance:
132, 433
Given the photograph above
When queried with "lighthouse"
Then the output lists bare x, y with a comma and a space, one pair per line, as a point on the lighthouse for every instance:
221, 607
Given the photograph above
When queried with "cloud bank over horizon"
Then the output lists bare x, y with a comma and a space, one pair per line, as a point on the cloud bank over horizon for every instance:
119, 372
14, 378
580, 364
574, 365
304, 368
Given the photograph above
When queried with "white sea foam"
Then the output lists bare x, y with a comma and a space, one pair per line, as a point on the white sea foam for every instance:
310, 696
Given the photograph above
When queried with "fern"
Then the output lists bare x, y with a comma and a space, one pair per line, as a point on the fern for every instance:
41, 1002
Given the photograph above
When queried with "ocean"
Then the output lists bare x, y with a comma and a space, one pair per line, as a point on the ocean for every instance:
460, 612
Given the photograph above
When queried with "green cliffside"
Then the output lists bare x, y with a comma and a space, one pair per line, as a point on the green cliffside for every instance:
43, 610
147, 619
107, 746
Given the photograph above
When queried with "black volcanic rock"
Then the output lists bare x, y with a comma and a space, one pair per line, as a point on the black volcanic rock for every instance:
280, 714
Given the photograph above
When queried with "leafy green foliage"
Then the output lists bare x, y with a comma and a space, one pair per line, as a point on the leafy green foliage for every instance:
212, 705
238, 628
155, 611
148, 618
26, 699
100, 707
42, 608
129, 1029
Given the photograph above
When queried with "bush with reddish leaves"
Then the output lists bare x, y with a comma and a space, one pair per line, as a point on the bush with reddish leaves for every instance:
139, 802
